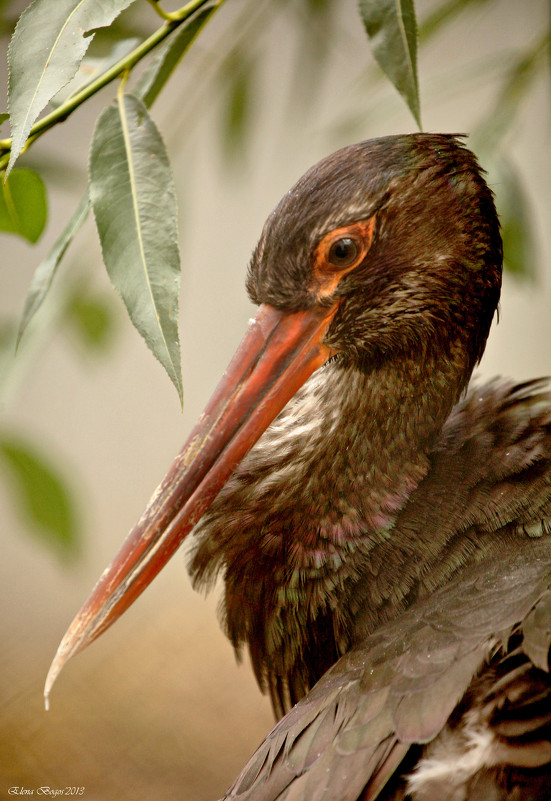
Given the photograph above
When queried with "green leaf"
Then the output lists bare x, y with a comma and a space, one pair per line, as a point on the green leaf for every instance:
44, 273
392, 31
47, 46
23, 204
156, 75
443, 15
315, 32
4, 116
514, 90
134, 201
318, 6
93, 319
41, 493
238, 73
516, 221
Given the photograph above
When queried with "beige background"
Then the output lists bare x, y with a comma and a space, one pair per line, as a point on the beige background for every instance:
158, 708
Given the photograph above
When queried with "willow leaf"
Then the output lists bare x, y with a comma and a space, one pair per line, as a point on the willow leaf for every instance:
134, 201
41, 493
239, 74
45, 51
516, 221
23, 204
92, 318
167, 59
44, 273
392, 30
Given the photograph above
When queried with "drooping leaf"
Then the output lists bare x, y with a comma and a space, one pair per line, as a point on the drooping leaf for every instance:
516, 81
318, 6
44, 273
516, 221
156, 75
47, 46
443, 15
315, 33
41, 493
238, 76
4, 117
93, 320
392, 31
134, 201
23, 204
91, 67
7, 342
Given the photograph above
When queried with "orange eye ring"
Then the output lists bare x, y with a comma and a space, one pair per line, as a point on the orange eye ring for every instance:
339, 252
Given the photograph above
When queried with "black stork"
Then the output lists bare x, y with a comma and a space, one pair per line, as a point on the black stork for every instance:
381, 531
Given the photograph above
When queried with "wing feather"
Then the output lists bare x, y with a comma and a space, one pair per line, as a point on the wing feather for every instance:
401, 685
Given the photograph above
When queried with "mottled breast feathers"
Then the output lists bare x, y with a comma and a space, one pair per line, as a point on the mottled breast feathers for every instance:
487, 488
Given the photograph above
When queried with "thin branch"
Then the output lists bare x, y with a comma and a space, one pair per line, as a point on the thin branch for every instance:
125, 64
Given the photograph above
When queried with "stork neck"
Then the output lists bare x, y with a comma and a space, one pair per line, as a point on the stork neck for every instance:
377, 427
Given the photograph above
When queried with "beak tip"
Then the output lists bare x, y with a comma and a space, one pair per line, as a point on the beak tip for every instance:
63, 654
53, 673
76, 638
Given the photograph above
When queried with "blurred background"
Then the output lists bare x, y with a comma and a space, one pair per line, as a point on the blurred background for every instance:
158, 708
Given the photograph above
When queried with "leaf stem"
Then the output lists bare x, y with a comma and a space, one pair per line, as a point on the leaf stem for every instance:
124, 65
122, 84
166, 15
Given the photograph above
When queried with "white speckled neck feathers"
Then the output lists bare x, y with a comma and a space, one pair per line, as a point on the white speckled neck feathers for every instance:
294, 526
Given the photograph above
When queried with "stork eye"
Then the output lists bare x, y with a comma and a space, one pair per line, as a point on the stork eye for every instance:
340, 251
343, 252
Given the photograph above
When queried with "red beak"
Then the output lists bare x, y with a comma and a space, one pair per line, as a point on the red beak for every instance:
276, 356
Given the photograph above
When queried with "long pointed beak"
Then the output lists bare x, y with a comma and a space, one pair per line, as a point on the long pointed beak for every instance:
276, 356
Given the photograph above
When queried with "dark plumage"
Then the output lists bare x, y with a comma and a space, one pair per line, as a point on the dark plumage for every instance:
370, 491
386, 537
411, 682
301, 521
